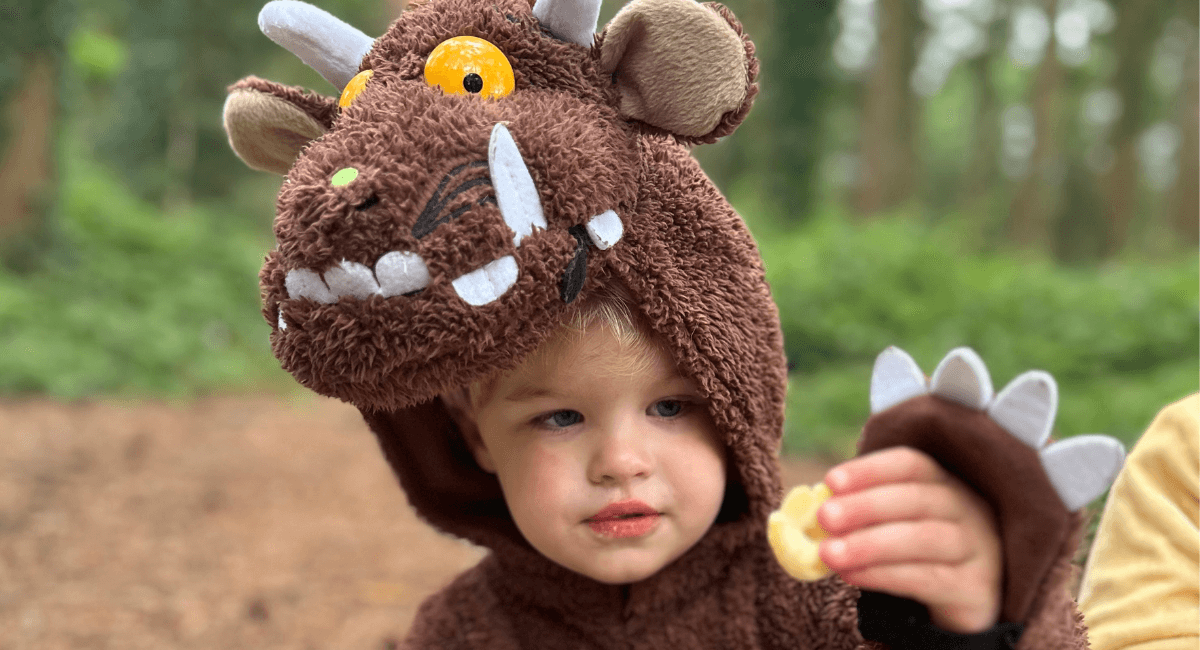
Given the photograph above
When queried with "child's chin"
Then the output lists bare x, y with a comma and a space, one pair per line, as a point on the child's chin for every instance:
620, 570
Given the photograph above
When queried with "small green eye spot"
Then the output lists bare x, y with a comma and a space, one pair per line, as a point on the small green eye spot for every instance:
344, 177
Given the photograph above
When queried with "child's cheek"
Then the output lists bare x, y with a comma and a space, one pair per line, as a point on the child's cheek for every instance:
551, 476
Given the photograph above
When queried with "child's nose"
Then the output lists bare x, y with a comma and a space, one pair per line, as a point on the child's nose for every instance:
620, 456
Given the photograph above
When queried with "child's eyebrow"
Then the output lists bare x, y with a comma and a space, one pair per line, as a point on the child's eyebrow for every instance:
529, 392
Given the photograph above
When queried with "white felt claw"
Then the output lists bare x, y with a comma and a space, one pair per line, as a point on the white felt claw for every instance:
896, 378
962, 377
1026, 407
1082, 467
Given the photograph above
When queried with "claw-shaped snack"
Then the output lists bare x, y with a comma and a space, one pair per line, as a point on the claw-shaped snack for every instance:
794, 532
995, 443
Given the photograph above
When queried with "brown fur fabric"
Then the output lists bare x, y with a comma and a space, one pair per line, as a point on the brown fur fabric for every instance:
686, 258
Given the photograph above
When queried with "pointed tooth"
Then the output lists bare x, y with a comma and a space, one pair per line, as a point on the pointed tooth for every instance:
305, 283
282, 323
487, 283
401, 272
605, 229
962, 377
896, 378
516, 194
1026, 407
1082, 467
351, 279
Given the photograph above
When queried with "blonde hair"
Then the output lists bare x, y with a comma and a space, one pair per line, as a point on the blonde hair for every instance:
607, 308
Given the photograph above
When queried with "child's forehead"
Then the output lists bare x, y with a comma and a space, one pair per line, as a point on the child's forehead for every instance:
578, 357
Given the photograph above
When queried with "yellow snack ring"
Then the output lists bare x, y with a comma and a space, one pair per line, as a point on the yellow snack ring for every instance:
794, 533
355, 88
467, 65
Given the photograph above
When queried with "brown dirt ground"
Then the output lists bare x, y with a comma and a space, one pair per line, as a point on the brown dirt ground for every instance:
228, 522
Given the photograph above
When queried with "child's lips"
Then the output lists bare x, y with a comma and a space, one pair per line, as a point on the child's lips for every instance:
630, 518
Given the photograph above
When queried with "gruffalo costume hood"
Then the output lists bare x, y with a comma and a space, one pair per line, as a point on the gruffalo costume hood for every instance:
488, 163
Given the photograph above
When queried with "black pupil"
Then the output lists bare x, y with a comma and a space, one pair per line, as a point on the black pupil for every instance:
473, 83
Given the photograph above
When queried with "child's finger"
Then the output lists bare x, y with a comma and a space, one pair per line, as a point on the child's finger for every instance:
905, 542
892, 465
889, 503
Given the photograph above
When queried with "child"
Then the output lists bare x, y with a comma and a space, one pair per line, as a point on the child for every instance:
612, 468
493, 170
1141, 588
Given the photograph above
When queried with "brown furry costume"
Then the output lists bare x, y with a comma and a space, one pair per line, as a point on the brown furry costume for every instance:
392, 287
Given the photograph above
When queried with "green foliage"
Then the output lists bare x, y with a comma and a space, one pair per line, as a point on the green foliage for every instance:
1121, 342
96, 54
141, 304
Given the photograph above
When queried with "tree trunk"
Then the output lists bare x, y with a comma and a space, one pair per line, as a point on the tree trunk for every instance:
1039, 192
26, 164
1186, 200
985, 149
1136, 23
887, 150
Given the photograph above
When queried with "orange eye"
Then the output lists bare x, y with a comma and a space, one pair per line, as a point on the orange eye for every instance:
355, 88
468, 65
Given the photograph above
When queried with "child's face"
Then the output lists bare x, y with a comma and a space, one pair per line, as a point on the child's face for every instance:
579, 433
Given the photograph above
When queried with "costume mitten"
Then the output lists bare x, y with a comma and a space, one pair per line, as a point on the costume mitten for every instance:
997, 445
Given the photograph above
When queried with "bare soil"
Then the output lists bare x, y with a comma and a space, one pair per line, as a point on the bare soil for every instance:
227, 522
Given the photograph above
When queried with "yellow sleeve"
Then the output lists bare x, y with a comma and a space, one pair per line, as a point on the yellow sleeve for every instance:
1141, 586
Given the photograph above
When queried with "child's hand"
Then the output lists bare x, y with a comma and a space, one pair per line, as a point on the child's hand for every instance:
899, 523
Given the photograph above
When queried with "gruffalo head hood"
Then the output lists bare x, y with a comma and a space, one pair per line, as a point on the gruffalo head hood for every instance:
488, 163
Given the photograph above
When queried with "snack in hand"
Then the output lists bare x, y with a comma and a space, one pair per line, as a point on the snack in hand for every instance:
794, 532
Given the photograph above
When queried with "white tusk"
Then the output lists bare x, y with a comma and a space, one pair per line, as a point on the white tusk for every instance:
351, 279
605, 229
487, 283
305, 283
516, 194
400, 273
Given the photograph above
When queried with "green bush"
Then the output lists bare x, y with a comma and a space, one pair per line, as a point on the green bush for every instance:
140, 303
1121, 341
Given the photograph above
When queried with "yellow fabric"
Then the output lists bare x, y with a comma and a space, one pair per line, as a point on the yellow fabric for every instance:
1141, 586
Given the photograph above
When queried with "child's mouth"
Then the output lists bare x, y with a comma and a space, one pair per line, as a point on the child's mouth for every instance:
626, 526
630, 518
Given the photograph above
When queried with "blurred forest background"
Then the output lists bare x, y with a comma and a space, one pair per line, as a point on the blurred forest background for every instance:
1019, 176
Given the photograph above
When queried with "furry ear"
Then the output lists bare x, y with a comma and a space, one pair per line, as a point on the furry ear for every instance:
268, 124
680, 66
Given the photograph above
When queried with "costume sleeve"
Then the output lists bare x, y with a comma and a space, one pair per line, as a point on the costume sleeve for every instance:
1140, 588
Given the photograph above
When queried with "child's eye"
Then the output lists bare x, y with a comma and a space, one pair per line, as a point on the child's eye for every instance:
668, 408
563, 419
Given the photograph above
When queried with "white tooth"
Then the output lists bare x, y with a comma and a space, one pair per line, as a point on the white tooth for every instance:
400, 273
516, 194
282, 324
351, 279
487, 283
605, 229
305, 283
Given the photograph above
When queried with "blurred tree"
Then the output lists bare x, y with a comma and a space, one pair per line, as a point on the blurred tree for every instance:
32, 34
1186, 200
888, 135
166, 138
1038, 194
796, 67
1138, 22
